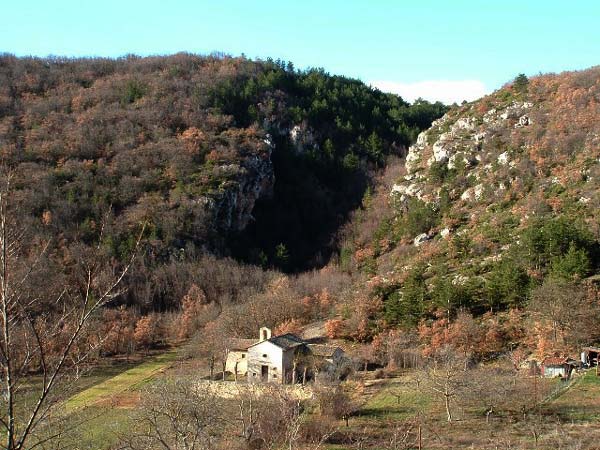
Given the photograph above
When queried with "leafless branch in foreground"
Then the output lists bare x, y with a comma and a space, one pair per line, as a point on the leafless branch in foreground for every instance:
39, 335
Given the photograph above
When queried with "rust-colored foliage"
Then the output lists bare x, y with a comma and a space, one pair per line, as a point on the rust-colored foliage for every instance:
293, 326
148, 331
334, 328
193, 305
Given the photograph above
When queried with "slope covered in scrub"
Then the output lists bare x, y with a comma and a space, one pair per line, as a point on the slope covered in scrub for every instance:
247, 158
496, 208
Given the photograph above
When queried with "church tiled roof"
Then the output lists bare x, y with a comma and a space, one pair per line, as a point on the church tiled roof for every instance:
240, 344
325, 351
287, 340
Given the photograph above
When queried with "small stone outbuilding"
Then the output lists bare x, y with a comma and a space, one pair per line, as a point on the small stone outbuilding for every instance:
557, 367
237, 356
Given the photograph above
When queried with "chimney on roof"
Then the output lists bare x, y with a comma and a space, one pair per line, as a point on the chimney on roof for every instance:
264, 334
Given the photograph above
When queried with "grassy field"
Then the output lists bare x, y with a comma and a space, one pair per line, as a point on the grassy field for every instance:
98, 428
103, 410
398, 399
581, 402
126, 381
569, 420
96, 412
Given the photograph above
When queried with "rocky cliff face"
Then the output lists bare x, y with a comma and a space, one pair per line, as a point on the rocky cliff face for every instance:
464, 144
500, 151
231, 205
483, 180
182, 144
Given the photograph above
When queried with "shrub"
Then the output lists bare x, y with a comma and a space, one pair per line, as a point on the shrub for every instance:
418, 218
134, 90
521, 83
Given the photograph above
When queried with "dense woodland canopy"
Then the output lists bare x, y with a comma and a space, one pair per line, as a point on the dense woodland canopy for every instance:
98, 146
264, 163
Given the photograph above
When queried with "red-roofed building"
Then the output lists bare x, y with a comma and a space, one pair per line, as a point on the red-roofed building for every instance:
557, 367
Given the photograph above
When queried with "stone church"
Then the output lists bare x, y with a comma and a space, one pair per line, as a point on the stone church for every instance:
283, 359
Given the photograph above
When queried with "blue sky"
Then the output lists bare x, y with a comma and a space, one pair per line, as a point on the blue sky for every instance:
441, 49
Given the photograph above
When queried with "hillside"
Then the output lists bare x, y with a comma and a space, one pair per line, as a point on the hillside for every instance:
496, 209
252, 159
452, 273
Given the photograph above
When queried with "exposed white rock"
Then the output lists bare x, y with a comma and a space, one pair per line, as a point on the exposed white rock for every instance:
227, 168
524, 121
414, 190
463, 158
489, 116
491, 258
478, 191
479, 137
441, 121
302, 138
460, 280
412, 159
420, 239
404, 191
445, 137
422, 139
584, 200
269, 141
464, 123
467, 195
440, 153
445, 233
515, 110
503, 158
452, 161
295, 133
398, 189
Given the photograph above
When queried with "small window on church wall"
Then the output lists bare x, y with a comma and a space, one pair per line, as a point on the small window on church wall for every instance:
264, 355
243, 355
264, 335
274, 375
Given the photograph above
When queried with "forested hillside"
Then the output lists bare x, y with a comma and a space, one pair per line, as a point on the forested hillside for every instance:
185, 200
495, 216
252, 159
493, 212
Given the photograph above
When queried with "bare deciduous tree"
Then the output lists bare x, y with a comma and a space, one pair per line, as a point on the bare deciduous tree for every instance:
178, 414
335, 402
271, 417
40, 333
445, 377
569, 309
